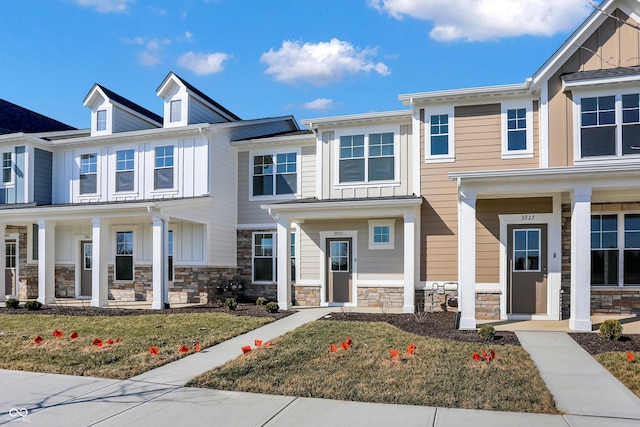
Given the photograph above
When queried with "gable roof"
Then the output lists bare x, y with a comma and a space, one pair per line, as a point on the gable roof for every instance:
125, 103
14, 118
194, 90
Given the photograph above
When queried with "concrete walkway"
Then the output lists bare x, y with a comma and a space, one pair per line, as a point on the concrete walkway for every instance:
158, 398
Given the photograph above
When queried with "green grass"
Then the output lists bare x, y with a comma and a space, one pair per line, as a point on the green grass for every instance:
123, 359
628, 373
440, 373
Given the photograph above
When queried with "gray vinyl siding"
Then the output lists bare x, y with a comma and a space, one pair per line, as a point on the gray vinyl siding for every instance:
42, 175
125, 122
249, 212
308, 172
199, 113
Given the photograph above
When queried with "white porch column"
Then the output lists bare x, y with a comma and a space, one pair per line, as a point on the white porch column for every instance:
46, 262
99, 259
409, 261
3, 260
284, 262
160, 256
467, 259
580, 311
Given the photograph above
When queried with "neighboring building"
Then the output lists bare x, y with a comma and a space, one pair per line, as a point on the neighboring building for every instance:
526, 196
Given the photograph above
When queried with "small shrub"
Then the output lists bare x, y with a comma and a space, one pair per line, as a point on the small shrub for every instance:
272, 307
231, 303
12, 303
261, 301
487, 333
33, 305
611, 329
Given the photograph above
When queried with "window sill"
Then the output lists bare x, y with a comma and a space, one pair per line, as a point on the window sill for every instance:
607, 159
274, 197
444, 159
257, 282
615, 287
524, 154
378, 247
363, 184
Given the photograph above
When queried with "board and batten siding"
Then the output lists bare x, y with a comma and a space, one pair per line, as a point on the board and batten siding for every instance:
42, 176
330, 161
478, 146
383, 265
614, 44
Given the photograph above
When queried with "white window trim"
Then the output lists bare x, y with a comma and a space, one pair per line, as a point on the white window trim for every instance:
515, 105
79, 155
274, 152
439, 158
366, 132
176, 161
113, 174
12, 182
577, 125
135, 261
184, 112
274, 257
173, 102
103, 106
382, 223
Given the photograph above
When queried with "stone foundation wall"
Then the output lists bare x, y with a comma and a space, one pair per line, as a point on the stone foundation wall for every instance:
381, 297
488, 305
142, 285
429, 300
615, 301
307, 296
27, 280
65, 281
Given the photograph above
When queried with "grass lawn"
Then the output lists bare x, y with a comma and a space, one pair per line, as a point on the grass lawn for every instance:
628, 373
439, 373
126, 358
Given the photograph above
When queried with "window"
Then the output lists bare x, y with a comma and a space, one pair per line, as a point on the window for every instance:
439, 130
439, 142
367, 158
6, 167
526, 250
615, 249
175, 114
609, 126
101, 120
34, 241
124, 255
164, 167
124, 170
517, 129
293, 256
381, 234
88, 173
170, 255
631, 267
264, 257
275, 174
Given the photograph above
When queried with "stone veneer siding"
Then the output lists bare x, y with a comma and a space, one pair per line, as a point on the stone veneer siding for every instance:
382, 297
27, 280
307, 296
252, 291
488, 305
616, 300
65, 281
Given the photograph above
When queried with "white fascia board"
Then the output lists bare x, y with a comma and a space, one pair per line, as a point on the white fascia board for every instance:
356, 118
12, 138
518, 89
591, 83
247, 144
549, 173
346, 209
135, 135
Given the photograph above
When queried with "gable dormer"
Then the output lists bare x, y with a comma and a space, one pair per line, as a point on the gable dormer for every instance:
186, 105
112, 113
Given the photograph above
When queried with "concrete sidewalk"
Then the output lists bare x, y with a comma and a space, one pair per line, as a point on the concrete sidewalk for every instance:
586, 392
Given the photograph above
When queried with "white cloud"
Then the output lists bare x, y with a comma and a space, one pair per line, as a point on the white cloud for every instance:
474, 20
188, 35
153, 50
203, 63
320, 64
321, 104
149, 59
106, 6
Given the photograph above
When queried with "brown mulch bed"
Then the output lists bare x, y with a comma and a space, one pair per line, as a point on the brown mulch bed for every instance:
436, 325
595, 344
245, 309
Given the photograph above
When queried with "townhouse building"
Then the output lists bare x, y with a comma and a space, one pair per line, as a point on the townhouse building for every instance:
523, 197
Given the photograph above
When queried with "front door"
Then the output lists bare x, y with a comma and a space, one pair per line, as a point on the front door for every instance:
339, 270
86, 251
527, 269
11, 261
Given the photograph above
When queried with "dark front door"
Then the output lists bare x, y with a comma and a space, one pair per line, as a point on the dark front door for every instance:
86, 252
11, 261
527, 269
339, 270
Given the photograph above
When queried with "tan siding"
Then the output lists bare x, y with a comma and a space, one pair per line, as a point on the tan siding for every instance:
488, 231
612, 45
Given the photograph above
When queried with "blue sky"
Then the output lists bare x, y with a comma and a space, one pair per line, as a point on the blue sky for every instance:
258, 58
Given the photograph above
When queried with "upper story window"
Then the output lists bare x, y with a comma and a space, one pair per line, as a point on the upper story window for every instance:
101, 120
163, 174
125, 170
609, 126
175, 110
517, 129
88, 173
439, 137
367, 158
275, 174
6, 168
